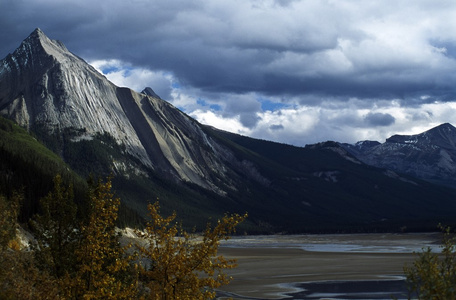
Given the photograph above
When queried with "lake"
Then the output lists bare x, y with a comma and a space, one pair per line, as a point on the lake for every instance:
348, 266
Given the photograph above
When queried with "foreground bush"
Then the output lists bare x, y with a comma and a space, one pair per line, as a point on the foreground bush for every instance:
183, 266
433, 275
72, 258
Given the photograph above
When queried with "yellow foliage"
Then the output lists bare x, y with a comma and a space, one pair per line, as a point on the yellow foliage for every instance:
177, 265
9, 209
20, 279
14, 245
172, 264
433, 275
104, 269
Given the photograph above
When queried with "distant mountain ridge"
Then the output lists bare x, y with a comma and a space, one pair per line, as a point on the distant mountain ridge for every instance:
430, 155
156, 151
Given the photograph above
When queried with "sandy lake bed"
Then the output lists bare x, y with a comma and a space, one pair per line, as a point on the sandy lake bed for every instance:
279, 267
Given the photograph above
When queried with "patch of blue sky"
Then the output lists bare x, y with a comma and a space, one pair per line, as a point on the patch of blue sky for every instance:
110, 69
214, 107
126, 71
267, 104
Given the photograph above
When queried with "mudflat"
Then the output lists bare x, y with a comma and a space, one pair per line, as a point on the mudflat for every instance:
268, 272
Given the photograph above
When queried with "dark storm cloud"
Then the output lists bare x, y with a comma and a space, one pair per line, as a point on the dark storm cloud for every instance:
379, 119
176, 35
276, 127
232, 53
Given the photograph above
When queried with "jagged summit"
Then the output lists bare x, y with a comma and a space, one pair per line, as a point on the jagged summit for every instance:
443, 136
430, 155
38, 51
445, 126
50, 46
46, 88
150, 92
37, 34
444, 130
43, 83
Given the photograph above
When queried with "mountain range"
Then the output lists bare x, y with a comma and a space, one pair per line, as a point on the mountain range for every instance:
430, 155
156, 151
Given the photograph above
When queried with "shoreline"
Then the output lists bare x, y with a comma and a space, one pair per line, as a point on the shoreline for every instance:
276, 272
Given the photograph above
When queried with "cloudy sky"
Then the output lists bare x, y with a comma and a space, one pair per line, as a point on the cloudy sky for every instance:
296, 72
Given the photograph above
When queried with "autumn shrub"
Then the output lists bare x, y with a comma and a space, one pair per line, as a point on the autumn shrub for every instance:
433, 275
72, 258
179, 265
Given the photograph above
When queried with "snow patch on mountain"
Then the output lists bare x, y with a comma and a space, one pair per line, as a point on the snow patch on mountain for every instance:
430, 155
330, 176
345, 154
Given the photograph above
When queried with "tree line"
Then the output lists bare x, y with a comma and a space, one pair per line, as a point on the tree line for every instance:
87, 258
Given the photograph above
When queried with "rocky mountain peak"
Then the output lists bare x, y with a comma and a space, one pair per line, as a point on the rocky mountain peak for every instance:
150, 92
36, 52
43, 86
443, 136
445, 126
37, 35
40, 40
444, 130
46, 88
430, 155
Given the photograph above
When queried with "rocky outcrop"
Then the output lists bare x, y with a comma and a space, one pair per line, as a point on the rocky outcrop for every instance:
150, 92
43, 84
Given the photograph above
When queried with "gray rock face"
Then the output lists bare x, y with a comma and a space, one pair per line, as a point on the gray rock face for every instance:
43, 84
430, 155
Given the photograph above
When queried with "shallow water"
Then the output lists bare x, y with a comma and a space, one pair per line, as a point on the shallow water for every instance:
341, 290
353, 256
355, 243
368, 289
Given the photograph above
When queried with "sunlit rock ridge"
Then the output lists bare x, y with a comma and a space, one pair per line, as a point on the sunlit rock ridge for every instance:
43, 84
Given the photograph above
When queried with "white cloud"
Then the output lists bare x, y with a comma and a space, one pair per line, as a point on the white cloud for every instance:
328, 70
231, 124
125, 75
305, 125
298, 123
